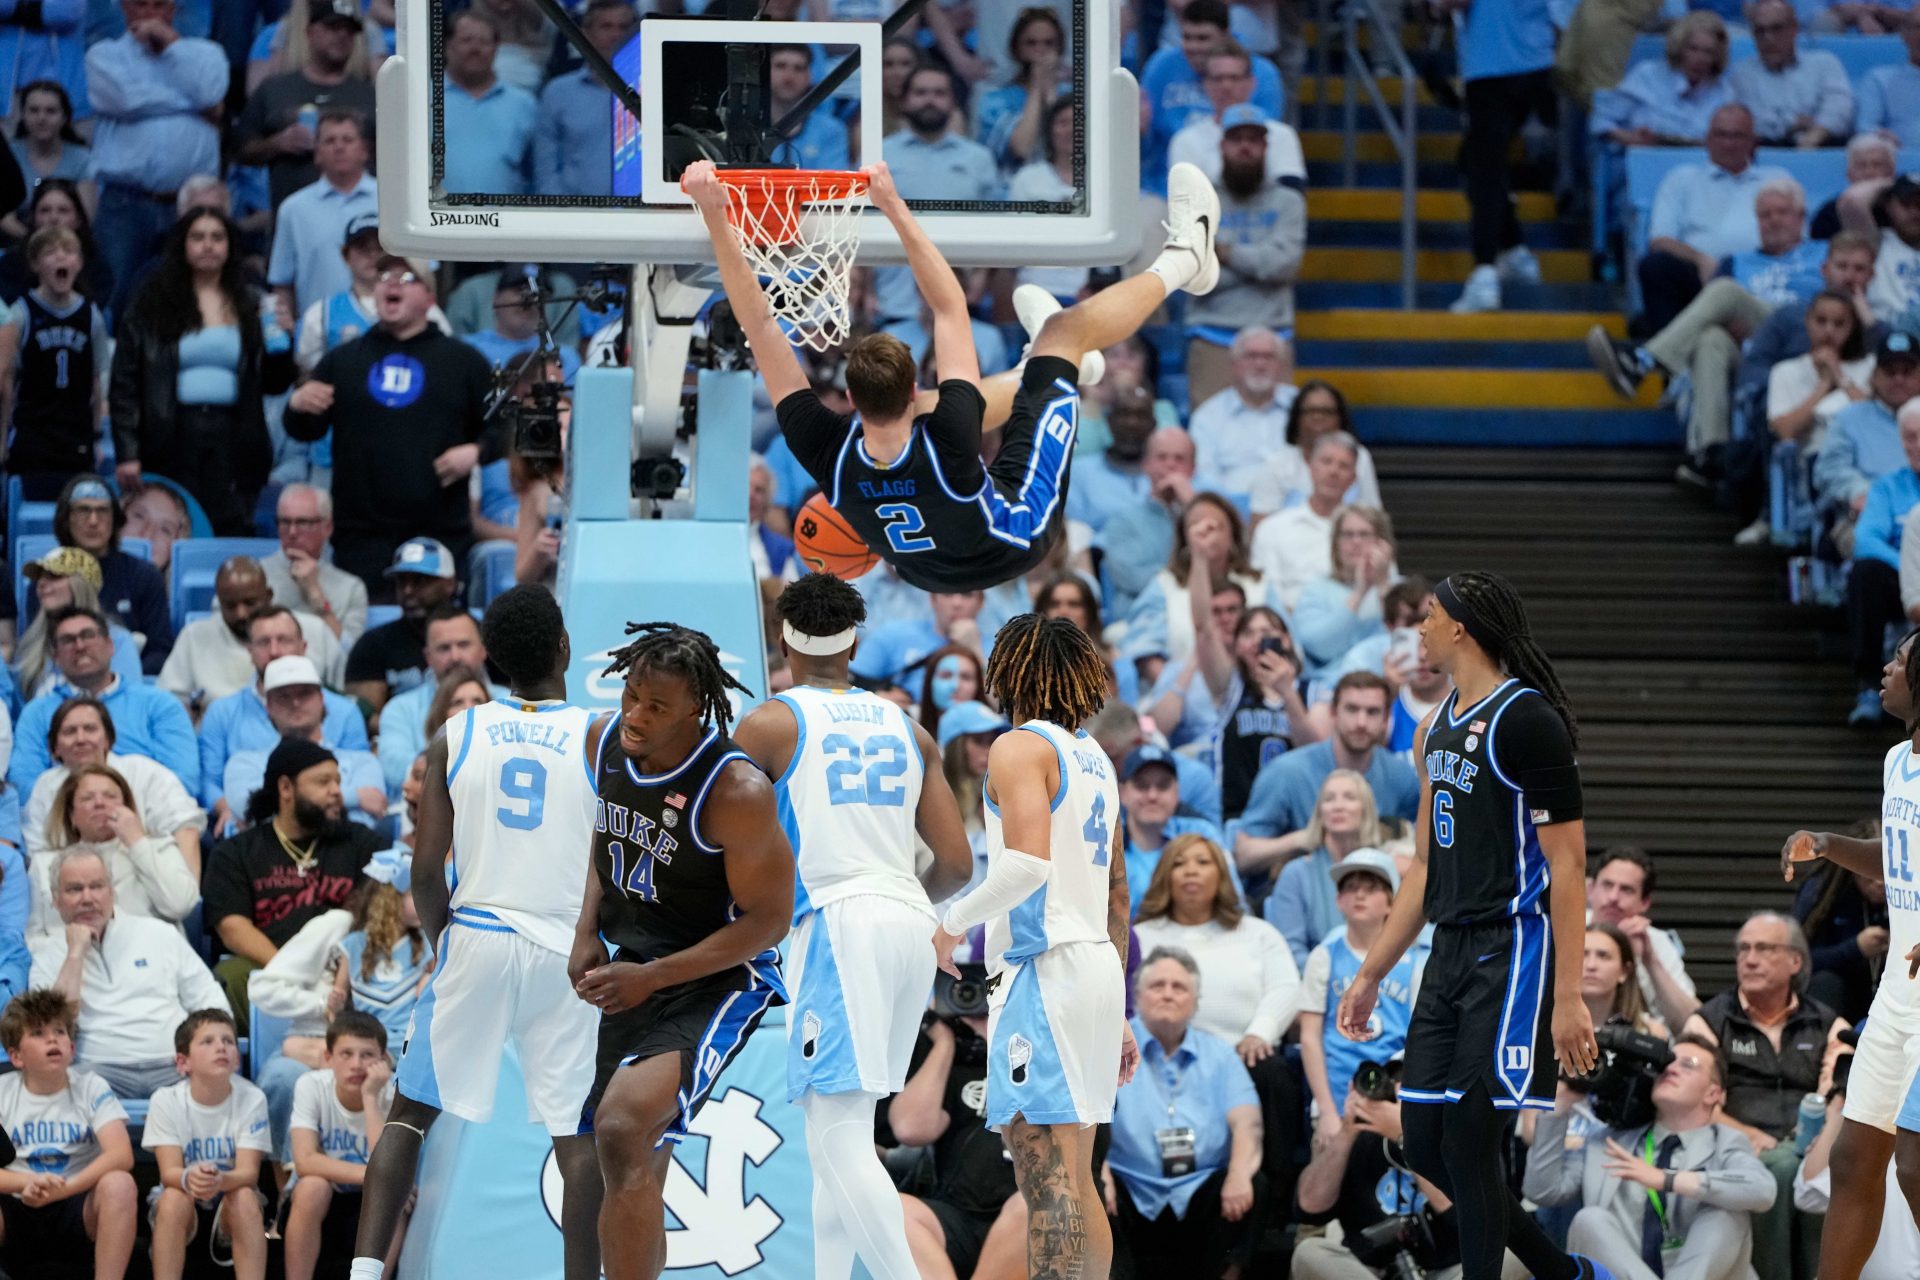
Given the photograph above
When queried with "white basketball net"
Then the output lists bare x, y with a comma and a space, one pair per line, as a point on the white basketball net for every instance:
800, 236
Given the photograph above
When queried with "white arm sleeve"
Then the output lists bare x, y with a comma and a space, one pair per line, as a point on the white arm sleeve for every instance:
1012, 879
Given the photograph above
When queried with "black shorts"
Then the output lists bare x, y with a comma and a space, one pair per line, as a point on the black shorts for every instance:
707, 1022
965, 1232
1031, 469
57, 1230
1485, 1016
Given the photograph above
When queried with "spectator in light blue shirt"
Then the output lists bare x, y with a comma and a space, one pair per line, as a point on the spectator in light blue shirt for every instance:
1136, 541
1150, 800
1304, 904
44, 42
1799, 97
929, 163
1889, 97
1873, 584
1238, 430
888, 649
152, 90
306, 264
821, 141
489, 123
1701, 214
1862, 442
1171, 85
1186, 1133
573, 133
1115, 480
516, 327
1671, 102
988, 346
1008, 121
1786, 266
296, 707
453, 648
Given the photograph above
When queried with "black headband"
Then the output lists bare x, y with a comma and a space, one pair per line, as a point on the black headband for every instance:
1483, 635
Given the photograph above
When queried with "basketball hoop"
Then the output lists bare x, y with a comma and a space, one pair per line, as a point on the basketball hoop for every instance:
799, 230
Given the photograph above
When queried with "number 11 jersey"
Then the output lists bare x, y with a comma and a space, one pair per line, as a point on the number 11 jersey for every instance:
1899, 997
521, 781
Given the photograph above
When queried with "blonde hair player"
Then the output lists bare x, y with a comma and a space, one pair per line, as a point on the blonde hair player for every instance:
904, 470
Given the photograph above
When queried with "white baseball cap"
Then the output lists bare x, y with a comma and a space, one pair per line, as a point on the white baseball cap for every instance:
1371, 861
295, 668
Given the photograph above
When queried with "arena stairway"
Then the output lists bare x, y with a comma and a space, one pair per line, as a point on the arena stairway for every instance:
1712, 710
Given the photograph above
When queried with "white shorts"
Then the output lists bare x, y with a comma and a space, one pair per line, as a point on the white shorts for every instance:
1884, 1064
1053, 1037
860, 970
493, 986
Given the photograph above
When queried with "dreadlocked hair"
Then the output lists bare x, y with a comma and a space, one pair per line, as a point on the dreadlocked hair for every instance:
1497, 606
1912, 667
822, 605
681, 651
376, 909
1047, 669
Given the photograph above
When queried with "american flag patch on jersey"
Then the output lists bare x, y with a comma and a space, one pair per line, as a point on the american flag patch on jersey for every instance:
1478, 726
677, 800
1540, 817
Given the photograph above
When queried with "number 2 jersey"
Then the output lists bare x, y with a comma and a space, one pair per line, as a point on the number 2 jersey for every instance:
1072, 905
1898, 999
848, 798
522, 789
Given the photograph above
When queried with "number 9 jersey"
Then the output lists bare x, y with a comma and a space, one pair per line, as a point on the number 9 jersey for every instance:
521, 781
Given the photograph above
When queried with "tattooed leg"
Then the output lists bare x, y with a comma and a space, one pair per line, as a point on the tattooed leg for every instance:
1067, 1233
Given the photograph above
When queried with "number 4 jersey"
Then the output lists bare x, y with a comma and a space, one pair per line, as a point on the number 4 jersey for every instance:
521, 781
848, 798
1072, 905
1899, 998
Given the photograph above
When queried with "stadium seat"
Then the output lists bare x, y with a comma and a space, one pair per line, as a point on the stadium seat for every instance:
1857, 53
264, 1034
489, 571
31, 547
196, 561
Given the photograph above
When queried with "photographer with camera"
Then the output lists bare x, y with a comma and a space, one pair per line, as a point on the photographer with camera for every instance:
1392, 1221
1184, 1185
1669, 1196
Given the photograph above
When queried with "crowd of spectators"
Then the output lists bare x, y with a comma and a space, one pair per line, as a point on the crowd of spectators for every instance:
203, 336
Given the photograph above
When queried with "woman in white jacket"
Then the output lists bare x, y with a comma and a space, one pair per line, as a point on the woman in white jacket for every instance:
95, 808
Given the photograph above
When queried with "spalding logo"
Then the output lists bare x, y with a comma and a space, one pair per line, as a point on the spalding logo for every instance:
719, 1226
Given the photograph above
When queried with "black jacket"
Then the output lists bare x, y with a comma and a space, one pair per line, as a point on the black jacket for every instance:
142, 397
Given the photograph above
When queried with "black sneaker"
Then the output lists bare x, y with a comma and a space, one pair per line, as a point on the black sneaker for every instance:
1617, 362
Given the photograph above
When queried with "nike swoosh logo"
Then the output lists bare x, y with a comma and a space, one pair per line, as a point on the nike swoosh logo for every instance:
1206, 225
1483, 959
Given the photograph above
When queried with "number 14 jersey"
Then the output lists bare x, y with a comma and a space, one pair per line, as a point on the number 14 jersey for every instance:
1072, 905
522, 789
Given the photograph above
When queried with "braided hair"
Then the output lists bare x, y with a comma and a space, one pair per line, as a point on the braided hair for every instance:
1047, 669
1912, 670
692, 655
1498, 608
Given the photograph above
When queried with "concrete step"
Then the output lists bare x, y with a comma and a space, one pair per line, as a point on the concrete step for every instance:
1331, 295
1478, 388
1428, 353
1369, 204
1575, 429
1432, 266
1537, 236
1415, 327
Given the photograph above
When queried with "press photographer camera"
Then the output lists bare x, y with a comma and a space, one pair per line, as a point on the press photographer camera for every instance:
1392, 1223
1620, 1088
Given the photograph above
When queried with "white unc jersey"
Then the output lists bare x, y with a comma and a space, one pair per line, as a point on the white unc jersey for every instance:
848, 798
1899, 997
1072, 905
521, 778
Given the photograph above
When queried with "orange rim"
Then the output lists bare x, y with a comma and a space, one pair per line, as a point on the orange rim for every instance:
773, 199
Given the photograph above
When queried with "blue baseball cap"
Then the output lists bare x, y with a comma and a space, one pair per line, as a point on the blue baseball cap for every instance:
963, 718
423, 556
1141, 757
1243, 115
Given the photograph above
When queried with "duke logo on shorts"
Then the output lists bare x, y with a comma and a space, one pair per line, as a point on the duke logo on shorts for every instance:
1057, 1001
861, 963
520, 776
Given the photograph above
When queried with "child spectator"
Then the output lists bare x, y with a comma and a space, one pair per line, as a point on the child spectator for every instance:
53, 341
384, 957
1366, 882
208, 1134
70, 1185
338, 1112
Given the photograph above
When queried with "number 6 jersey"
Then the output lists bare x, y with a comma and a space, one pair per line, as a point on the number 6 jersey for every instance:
848, 798
522, 792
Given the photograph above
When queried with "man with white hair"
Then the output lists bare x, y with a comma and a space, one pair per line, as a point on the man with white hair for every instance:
134, 978
1237, 430
1871, 161
301, 575
1703, 340
1799, 97
1136, 541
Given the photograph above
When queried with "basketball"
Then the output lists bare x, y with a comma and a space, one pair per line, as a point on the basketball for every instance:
827, 543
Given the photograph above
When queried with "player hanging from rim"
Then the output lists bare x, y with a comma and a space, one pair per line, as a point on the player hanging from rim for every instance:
692, 881
1055, 906
853, 786
942, 519
517, 802
1499, 866
1882, 1116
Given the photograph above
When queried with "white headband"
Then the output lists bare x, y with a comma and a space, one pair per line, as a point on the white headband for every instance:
817, 646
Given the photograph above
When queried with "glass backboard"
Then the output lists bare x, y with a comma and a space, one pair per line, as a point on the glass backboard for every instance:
530, 155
